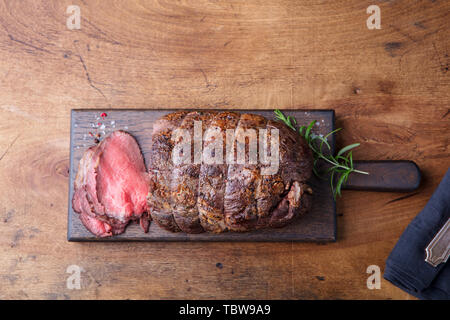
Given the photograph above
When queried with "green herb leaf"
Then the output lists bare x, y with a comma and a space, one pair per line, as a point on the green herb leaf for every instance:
341, 165
308, 129
347, 148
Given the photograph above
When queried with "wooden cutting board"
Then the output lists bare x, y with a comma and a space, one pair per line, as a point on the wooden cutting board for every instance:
317, 225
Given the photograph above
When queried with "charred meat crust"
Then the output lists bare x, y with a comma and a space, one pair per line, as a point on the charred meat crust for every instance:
194, 198
185, 180
243, 181
160, 170
213, 177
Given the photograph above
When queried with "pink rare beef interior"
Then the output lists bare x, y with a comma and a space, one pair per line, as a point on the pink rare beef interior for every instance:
122, 180
111, 186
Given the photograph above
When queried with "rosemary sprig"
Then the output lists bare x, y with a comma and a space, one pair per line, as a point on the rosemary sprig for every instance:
341, 164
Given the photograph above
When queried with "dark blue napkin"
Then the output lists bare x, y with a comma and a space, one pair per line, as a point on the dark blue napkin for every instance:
406, 267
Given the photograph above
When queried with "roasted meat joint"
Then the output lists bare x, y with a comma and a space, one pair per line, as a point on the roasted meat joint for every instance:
208, 171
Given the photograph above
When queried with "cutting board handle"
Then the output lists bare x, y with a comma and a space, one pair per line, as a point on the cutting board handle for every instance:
387, 175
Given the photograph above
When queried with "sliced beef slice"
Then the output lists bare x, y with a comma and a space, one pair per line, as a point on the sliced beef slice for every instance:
122, 179
111, 186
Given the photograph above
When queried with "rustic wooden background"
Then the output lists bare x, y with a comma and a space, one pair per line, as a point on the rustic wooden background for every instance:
389, 87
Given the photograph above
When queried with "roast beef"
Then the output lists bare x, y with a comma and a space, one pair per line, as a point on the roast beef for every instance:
111, 186
215, 197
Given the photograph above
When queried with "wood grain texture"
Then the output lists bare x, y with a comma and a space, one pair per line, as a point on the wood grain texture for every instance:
317, 225
389, 87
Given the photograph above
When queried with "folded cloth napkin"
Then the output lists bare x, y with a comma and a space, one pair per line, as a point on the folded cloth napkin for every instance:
406, 267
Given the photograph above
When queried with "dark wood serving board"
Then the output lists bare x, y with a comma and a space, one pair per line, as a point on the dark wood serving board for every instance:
317, 225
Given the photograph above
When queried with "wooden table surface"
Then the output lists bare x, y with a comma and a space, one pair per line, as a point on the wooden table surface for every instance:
390, 89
